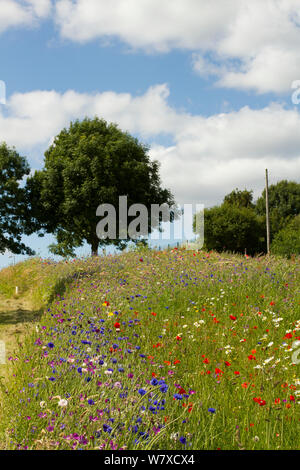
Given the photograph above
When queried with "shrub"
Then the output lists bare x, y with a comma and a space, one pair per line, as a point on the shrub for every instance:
287, 240
233, 228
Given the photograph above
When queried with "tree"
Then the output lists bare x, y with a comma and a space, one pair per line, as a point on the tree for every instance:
284, 204
240, 198
232, 228
89, 164
287, 241
14, 215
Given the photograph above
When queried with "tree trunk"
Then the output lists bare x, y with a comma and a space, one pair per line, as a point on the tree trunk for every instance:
94, 247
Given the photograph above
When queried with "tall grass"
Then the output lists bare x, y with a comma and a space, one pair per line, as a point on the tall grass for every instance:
160, 350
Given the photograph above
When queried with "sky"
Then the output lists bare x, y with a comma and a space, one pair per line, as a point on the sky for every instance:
213, 87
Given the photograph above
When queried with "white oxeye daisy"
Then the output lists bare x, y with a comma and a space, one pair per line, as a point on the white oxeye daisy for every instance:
63, 402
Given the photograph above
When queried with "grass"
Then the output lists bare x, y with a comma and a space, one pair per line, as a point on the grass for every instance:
156, 350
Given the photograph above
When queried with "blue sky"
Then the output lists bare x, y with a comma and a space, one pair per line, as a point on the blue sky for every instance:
207, 84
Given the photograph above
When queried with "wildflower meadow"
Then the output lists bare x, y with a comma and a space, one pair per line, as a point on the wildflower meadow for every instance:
150, 350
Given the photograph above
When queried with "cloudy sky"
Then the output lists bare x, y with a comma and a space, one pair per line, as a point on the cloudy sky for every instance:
211, 86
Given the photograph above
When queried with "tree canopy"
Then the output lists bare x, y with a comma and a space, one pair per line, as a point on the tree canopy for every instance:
284, 204
88, 164
240, 198
14, 216
239, 223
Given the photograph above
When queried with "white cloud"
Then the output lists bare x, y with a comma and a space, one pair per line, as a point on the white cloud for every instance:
272, 69
14, 13
248, 45
41, 8
158, 25
253, 44
209, 156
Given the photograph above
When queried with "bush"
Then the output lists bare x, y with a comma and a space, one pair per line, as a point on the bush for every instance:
287, 240
233, 228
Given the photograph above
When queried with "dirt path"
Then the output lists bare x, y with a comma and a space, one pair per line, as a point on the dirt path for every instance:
16, 317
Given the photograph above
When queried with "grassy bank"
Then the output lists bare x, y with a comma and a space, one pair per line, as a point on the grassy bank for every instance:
160, 350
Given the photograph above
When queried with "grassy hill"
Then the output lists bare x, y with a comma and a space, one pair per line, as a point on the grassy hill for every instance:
152, 350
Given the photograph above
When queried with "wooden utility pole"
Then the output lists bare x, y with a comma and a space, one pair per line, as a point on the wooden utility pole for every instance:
267, 213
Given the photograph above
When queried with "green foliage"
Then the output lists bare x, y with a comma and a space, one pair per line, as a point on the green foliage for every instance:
287, 241
284, 204
14, 220
233, 228
89, 164
240, 198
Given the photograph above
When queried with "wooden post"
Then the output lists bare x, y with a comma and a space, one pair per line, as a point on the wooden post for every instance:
267, 213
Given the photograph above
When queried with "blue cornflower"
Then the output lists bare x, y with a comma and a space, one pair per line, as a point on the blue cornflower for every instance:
182, 440
50, 345
178, 396
142, 391
211, 410
107, 428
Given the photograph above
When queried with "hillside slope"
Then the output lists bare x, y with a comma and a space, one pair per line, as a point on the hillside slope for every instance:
160, 350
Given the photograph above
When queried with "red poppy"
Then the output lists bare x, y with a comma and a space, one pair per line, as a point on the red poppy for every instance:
232, 317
